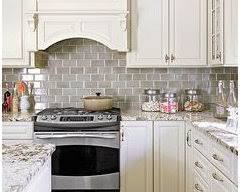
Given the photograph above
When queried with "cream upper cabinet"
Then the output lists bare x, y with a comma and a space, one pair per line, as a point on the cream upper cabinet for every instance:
149, 34
168, 33
169, 156
188, 33
222, 32
19, 33
136, 156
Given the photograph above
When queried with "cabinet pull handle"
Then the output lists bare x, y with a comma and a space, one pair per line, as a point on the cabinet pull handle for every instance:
197, 141
219, 56
35, 18
122, 136
172, 57
166, 58
217, 158
197, 186
198, 165
216, 177
189, 138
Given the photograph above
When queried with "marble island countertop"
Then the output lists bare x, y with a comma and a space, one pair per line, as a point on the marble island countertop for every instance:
202, 121
21, 162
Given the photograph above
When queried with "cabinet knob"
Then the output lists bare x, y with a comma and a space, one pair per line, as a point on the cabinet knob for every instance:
197, 186
166, 58
219, 56
172, 57
197, 141
197, 164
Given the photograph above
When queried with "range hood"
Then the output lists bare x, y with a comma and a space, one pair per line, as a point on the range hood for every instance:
105, 21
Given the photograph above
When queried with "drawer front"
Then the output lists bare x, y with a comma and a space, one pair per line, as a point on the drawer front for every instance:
220, 183
201, 166
199, 185
224, 160
200, 142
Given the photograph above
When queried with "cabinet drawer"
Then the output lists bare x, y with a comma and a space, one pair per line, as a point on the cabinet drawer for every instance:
200, 142
17, 130
201, 166
224, 160
199, 185
220, 183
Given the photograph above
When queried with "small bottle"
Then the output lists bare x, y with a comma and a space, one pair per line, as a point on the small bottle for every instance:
15, 104
221, 102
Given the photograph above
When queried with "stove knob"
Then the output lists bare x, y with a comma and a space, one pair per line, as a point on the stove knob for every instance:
44, 117
100, 117
109, 117
53, 117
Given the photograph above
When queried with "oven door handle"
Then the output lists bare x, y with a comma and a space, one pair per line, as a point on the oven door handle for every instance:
106, 136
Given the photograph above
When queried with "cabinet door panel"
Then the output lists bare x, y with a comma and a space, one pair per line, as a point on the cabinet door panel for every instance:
188, 32
169, 156
12, 29
136, 157
149, 28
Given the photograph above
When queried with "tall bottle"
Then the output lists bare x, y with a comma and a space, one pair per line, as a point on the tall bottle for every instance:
31, 98
232, 100
221, 102
15, 104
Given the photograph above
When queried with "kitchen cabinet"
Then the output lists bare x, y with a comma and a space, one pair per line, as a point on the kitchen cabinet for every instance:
153, 156
211, 167
222, 33
17, 131
168, 33
42, 181
169, 156
19, 33
136, 156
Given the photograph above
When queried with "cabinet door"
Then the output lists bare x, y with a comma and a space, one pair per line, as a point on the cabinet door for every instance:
189, 158
149, 34
231, 33
169, 156
19, 35
215, 32
136, 156
188, 32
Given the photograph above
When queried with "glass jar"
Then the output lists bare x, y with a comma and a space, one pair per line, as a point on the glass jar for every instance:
169, 103
193, 100
151, 101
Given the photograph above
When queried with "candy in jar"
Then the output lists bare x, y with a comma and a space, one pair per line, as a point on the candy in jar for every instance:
169, 103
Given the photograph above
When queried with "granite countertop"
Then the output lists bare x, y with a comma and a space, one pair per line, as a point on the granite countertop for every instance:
21, 162
202, 121
9, 117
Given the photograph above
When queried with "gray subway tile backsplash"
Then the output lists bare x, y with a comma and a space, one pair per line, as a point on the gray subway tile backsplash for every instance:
81, 67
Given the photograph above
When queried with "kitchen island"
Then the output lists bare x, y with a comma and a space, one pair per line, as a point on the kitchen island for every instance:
26, 166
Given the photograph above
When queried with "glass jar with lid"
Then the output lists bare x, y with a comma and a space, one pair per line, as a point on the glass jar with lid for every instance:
193, 100
169, 103
151, 100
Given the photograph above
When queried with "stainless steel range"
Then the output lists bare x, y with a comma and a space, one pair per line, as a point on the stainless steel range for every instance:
87, 147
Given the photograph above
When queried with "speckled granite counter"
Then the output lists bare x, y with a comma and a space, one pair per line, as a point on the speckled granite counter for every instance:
202, 121
21, 162
17, 117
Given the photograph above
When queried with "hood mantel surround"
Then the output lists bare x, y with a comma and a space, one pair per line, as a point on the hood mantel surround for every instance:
106, 22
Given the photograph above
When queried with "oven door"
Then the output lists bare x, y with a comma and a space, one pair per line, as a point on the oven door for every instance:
85, 160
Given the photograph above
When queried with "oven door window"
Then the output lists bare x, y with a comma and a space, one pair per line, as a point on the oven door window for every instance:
84, 160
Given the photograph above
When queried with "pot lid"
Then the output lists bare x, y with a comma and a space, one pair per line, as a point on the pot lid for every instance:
98, 96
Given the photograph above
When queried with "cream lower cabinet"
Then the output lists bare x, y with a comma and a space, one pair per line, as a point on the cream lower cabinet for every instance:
209, 166
19, 33
153, 156
136, 156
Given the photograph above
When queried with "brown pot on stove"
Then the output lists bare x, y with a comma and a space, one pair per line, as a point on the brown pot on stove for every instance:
98, 102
